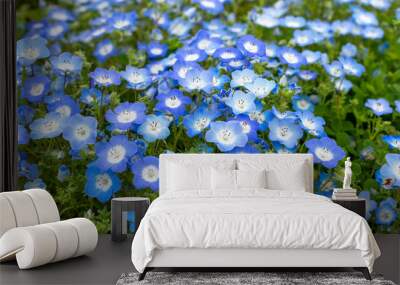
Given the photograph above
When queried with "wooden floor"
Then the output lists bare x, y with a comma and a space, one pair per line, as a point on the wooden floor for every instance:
102, 266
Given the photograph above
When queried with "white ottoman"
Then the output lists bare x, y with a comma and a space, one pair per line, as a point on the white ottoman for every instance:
31, 232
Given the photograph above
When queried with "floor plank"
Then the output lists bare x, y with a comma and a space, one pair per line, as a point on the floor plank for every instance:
102, 266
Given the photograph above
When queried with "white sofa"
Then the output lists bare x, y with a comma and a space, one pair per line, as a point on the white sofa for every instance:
31, 231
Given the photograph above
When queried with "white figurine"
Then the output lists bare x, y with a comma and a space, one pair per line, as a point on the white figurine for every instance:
347, 174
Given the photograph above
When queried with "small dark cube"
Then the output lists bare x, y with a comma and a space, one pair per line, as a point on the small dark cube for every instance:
119, 209
357, 205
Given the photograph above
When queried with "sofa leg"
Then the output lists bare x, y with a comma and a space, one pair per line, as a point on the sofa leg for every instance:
364, 271
142, 275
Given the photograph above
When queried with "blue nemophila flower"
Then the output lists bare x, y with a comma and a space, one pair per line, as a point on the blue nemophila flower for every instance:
180, 69
373, 33
25, 114
348, 50
65, 106
90, 95
302, 103
104, 77
385, 214
63, 173
205, 42
325, 151
60, 14
126, 114
379, 106
389, 174
392, 141
226, 54
191, 54
123, 21
371, 204
250, 46
101, 184
306, 37
37, 183
291, 57
197, 79
199, 120
28, 170
261, 87
307, 75
285, 131
80, 131
114, 154
397, 104
145, 172
138, 78
364, 18
31, 49
35, 88
311, 57
249, 127
266, 18
241, 102
274, 112
271, 50
56, 31
312, 124
218, 79
343, 85
179, 27
226, 135
174, 102
104, 50
66, 64
351, 67
334, 69
243, 77
156, 50
293, 22
213, 7
154, 128
50, 126
23, 135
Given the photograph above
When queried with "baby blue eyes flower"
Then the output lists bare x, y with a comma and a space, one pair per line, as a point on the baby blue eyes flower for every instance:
101, 184
179, 27
351, 67
56, 31
389, 174
335, 69
325, 151
348, 50
285, 131
197, 79
104, 77
261, 87
379, 106
63, 173
291, 57
80, 131
174, 102
66, 64
104, 50
138, 78
90, 95
115, 154
293, 22
31, 49
198, 121
364, 18
37, 183
226, 135
154, 128
66, 106
243, 77
306, 37
397, 104
146, 173
123, 21
23, 135
311, 57
227, 54
302, 103
156, 50
241, 102
35, 88
207, 43
249, 127
126, 114
392, 141
386, 213
312, 124
48, 127
213, 7
191, 54
250, 46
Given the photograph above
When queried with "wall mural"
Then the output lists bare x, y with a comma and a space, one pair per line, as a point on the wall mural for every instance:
105, 86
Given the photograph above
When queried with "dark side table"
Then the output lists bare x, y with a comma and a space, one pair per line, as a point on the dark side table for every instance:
356, 205
120, 207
